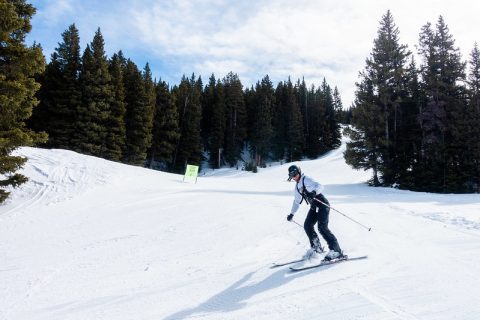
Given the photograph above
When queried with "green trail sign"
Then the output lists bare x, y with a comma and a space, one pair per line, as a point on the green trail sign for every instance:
191, 173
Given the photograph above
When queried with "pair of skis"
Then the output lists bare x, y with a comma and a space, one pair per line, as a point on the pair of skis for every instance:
317, 265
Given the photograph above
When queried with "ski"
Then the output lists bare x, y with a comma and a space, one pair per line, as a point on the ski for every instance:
326, 263
276, 265
281, 264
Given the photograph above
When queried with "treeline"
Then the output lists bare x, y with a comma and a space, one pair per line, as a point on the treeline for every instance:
415, 127
418, 128
107, 107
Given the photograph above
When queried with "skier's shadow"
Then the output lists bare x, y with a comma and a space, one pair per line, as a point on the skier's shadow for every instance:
235, 296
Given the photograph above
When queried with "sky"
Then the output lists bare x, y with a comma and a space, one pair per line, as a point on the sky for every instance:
282, 38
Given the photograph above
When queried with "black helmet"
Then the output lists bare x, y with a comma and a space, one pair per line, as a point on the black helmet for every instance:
293, 171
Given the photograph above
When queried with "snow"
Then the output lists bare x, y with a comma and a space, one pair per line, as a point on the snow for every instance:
86, 238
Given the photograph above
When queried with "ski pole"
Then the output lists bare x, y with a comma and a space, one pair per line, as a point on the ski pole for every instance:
298, 224
343, 214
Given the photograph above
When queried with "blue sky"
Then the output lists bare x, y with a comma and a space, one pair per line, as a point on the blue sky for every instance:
281, 38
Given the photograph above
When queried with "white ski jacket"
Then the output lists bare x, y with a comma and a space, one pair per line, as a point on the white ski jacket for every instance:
310, 185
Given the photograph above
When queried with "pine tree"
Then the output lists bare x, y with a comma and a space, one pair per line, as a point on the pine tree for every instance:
332, 134
67, 97
236, 118
431, 116
166, 131
138, 114
116, 135
84, 140
409, 135
213, 119
250, 98
315, 137
208, 98
362, 152
262, 126
288, 141
279, 124
50, 80
381, 91
346, 115
217, 137
303, 102
189, 146
472, 143
338, 107
150, 97
454, 77
97, 98
18, 66
295, 138
441, 116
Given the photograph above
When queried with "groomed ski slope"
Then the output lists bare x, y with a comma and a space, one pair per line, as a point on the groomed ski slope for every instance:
90, 239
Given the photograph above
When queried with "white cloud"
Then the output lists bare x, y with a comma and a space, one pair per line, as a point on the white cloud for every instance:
55, 11
282, 38
279, 38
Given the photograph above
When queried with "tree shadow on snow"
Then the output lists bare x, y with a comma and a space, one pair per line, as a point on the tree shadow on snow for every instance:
236, 296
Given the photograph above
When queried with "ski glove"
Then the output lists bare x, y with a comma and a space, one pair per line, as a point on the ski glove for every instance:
290, 217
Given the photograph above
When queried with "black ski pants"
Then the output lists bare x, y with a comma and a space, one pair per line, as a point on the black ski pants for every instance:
318, 213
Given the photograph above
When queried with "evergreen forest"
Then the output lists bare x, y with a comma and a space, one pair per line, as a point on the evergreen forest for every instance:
110, 108
414, 124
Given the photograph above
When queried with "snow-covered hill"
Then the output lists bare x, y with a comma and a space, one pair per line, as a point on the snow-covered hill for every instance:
90, 239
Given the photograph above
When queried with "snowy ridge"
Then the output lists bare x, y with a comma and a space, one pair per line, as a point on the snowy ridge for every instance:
57, 175
86, 238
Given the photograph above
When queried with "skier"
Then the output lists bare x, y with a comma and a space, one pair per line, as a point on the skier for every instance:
308, 189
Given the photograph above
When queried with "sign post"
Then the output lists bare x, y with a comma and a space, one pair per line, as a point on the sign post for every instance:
191, 173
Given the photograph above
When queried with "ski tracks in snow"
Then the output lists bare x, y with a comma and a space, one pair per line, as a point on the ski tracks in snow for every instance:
53, 180
396, 311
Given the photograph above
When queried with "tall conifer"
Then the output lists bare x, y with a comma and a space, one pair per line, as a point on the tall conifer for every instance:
137, 116
363, 151
315, 137
213, 120
116, 135
97, 98
385, 72
332, 134
208, 98
409, 135
18, 66
279, 124
295, 138
166, 131
472, 165
303, 102
441, 116
67, 97
262, 126
150, 97
338, 106
189, 147
236, 118
51, 80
